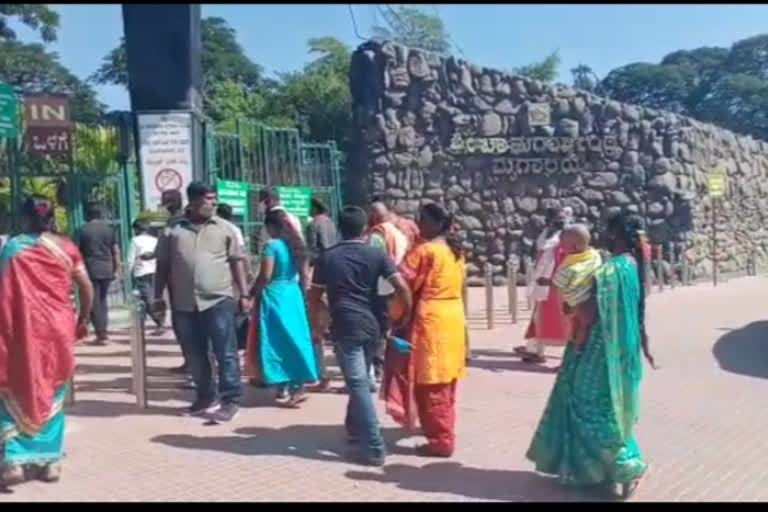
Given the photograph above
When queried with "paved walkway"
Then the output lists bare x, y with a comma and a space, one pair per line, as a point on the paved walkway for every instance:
702, 425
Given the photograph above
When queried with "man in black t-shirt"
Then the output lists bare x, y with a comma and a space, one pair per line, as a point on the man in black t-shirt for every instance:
101, 253
349, 273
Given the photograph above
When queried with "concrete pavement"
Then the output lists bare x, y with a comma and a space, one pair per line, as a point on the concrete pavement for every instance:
702, 424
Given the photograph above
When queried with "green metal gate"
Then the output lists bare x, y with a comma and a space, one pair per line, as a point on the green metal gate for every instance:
102, 170
265, 156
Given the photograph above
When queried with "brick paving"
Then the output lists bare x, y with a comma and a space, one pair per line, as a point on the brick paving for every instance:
701, 427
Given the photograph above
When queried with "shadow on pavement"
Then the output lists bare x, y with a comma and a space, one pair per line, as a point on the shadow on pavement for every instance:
316, 442
744, 351
104, 409
477, 483
497, 365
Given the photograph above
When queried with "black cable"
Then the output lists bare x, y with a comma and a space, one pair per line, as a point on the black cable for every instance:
354, 22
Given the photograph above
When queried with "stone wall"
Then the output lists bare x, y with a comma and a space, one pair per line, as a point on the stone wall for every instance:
499, 149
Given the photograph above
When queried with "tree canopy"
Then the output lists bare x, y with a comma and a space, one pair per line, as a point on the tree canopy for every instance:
32, 68
725, 86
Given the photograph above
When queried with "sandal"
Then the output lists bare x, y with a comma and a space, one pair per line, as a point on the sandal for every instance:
50, 473
296, 399
628, 489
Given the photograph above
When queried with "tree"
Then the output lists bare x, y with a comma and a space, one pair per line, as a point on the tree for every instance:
227, 71
545, 70
728, 87
318, 96
32, 68
584, 78
36, 16
411, 26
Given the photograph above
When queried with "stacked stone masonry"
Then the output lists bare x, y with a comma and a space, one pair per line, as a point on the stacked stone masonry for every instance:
498, 149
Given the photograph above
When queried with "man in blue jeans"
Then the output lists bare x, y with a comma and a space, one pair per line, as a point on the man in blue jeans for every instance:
201, 261
349, 273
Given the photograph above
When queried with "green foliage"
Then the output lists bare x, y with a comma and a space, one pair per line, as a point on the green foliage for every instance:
32, 68
545, 70
38, 17
728, 87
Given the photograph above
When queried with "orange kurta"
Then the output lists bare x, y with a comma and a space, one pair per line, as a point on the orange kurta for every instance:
437, 329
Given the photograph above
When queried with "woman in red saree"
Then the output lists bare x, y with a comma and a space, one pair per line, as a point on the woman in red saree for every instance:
422, 382
38, 331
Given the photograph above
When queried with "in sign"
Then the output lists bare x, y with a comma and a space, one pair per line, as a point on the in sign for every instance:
46, 110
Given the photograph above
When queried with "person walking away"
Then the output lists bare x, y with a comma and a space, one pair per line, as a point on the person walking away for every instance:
143, 270
548, 324
98, 245
282, 344
406, 226
321, 236
224, 211
423, 382
38, 330
349, 273
387, 237
586, 436
202, 264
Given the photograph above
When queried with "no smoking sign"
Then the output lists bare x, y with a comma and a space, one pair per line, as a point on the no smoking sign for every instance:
168, 179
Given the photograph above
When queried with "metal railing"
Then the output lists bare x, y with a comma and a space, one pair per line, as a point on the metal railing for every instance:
138, 350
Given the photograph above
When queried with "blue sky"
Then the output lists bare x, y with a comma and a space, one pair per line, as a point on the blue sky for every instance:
499, 36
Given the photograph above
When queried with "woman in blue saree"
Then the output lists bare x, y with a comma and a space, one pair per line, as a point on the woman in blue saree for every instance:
586, 435
38, 331
280, 336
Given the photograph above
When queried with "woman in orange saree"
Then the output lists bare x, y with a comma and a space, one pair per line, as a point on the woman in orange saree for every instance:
38, 331
422, 383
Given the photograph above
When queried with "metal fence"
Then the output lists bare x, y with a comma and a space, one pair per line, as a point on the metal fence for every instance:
265, 156
102, 169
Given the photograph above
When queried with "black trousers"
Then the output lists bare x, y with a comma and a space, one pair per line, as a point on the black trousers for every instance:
99, 313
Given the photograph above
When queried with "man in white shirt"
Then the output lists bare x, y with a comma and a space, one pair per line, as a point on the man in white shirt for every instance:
271, 201
143, 269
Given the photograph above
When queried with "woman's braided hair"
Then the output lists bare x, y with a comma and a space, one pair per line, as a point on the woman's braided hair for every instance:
629, 228
444, 219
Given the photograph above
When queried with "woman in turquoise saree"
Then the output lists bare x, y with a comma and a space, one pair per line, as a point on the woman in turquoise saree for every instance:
586, 435
37, 336
281, 344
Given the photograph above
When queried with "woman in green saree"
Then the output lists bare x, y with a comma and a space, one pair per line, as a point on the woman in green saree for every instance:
586, 435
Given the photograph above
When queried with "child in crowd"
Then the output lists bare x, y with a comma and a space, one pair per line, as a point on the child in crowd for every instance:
575, 279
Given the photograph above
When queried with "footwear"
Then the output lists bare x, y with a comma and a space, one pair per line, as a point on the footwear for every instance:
200, 407
12, 475
534, 358
282, 394
628, 489
520, 350
375, 461
425, 451
226, 413
297, 398
324, 386
99, 342
50, 473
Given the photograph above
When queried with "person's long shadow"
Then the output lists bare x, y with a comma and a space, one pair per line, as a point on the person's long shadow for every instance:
484, 484
744, 351
316, 442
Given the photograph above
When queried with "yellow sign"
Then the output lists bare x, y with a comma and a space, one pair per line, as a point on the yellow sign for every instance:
716, 181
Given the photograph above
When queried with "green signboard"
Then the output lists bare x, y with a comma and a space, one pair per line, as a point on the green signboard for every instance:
296, 200
235, 194
9, 116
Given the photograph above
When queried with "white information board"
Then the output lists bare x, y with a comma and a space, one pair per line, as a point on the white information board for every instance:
165, 142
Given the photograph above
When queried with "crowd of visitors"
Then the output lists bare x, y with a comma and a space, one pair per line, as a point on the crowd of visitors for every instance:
383, 290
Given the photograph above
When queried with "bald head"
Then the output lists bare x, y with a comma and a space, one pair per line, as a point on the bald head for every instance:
576, 238
379, 212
